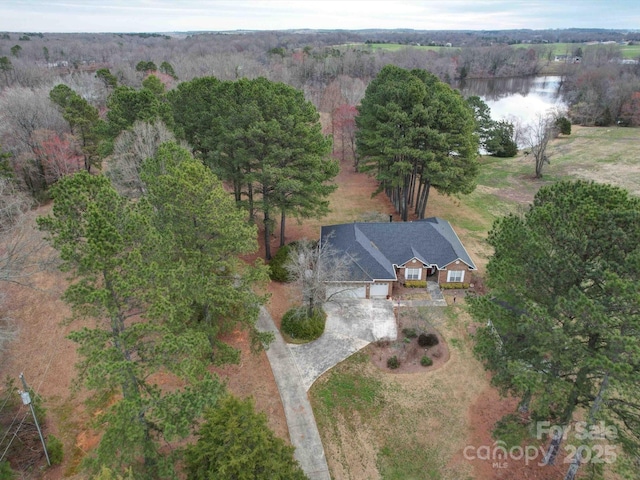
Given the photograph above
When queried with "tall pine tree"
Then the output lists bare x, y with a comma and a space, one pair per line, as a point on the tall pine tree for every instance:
415, 132
564, 308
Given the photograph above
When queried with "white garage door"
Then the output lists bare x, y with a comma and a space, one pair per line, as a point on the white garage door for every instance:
347, 291
379, 290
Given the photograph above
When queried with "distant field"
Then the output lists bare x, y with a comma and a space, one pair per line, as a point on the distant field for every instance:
628, 51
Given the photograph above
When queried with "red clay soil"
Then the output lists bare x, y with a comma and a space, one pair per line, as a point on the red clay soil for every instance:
488, 408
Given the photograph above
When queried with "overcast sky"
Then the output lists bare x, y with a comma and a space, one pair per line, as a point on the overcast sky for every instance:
191, 15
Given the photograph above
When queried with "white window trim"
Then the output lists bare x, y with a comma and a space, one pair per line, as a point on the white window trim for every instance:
406, 273
456, 272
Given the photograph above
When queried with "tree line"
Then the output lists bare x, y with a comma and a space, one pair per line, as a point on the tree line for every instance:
560, 324
600, 88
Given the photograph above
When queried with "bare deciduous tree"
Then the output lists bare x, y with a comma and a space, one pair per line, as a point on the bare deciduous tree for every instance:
23, 111
318, 273
132, 148
23, 251
536, 137
21, 244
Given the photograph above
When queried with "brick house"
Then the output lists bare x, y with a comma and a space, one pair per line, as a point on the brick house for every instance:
383, 254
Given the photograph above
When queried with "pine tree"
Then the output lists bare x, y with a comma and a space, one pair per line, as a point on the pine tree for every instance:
235, 443
415, 132
563, 310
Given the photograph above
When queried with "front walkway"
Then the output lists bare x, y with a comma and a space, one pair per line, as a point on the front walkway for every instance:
437, 299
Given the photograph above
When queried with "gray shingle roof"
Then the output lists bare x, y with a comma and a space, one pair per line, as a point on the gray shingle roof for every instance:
376, 247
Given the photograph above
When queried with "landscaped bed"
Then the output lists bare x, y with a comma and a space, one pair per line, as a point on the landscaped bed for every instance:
419, 346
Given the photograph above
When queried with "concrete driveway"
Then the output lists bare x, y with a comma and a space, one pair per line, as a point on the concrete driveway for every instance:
351, 325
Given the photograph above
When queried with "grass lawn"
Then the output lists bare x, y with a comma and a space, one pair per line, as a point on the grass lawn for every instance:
377, 424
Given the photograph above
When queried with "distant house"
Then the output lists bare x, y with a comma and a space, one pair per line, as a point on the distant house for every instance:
567, 58
383, 254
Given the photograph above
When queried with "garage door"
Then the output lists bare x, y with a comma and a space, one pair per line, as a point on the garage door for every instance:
379, 290
347, 291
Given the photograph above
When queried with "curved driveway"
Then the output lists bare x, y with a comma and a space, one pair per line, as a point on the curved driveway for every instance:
351, 325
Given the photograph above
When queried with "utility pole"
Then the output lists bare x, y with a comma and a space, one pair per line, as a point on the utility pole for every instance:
26, 399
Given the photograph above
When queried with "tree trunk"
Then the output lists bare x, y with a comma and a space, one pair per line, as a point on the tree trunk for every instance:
418, 197
252, 212
282, 223
267, 224
405, 197
523, 406
595, 408
425, 198
267, 236
554, 446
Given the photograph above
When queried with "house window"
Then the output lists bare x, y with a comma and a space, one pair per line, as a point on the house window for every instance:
456, 276
413, 274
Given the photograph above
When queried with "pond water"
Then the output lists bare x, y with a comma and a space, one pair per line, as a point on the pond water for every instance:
518, 100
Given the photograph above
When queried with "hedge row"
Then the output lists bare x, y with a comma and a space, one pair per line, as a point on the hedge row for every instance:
453, 285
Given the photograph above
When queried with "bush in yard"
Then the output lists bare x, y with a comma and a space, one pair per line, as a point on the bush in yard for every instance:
415, 284
235, 442
426, 361
564, 125
409, 332
54, 449
298, 325
278, 264
427, 340
393, 362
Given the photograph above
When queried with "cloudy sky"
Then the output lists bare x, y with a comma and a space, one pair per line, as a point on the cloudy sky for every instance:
190, 15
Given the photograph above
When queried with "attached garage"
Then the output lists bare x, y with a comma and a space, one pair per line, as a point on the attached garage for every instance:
379, 290
342, 291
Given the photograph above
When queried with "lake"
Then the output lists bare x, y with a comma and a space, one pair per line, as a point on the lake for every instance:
519, 98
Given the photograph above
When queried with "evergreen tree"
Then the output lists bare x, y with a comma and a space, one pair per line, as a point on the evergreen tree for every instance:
83, 120
563, 308
235, 443
500, 141
415, 132
264, 139
482, 115
128, 105
109, 80
203, 234
131, 269
167, 68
